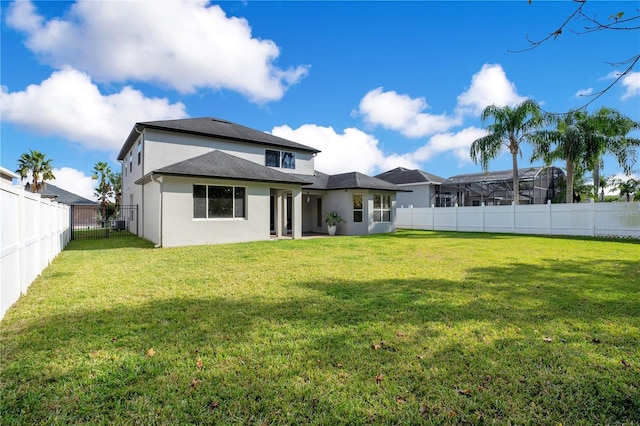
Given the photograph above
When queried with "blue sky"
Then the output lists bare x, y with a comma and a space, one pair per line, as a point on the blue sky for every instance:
373, 85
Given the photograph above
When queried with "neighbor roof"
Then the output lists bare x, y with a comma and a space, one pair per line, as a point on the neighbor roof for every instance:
8, 174
63, 197
400, 176
351, 180
212, 127
218, 164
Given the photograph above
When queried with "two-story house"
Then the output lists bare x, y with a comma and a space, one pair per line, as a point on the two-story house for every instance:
206, 181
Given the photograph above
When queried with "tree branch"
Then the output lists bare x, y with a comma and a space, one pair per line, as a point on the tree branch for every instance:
632, 63
555, 34
594, 25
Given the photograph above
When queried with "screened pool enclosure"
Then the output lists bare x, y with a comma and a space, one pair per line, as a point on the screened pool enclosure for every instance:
537, 185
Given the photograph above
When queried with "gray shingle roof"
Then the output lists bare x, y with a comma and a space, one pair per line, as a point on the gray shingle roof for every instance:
63, 197
351, 180
317, 181
400, 176
218, 164
212, 127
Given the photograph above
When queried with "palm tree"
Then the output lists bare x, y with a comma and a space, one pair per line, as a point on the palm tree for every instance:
38, 166
628, 188
510, 128
102, 171
568, 138
608, 133
116, 186
605, 182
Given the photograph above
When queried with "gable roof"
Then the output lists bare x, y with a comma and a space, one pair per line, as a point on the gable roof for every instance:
63, 197
218, 164
212, 127
400, 176
351, 180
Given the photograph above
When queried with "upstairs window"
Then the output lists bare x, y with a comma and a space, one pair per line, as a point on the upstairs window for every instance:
283, 159
288, 160
272, 158
139, 152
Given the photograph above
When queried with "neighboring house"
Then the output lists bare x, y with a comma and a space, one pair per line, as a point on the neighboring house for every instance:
7, 176
84, 212
207, 181
425, 187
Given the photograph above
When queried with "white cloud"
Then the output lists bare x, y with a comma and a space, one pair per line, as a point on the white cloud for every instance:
489, 86
69, 105
74, 181
584, 92
457, 143
353, 150
631, 83
403, 114
185, 45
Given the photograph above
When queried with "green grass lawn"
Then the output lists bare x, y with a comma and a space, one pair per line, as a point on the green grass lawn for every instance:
414, 327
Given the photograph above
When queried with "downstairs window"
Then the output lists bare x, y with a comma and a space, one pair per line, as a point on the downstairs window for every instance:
215, 202
381, 208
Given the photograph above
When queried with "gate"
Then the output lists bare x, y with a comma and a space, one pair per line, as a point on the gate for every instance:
90, 222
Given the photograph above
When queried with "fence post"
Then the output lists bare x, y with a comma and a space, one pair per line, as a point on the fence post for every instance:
22, 210
433, 218
592, 217
411, 215
456, 215
513, 217
482, 216
549, 216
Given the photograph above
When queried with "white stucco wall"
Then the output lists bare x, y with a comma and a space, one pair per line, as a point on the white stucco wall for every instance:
342, 202
166, 148
129, 188
179, 228
422, 195
149, 229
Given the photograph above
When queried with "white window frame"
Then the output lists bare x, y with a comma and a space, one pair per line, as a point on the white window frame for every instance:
360, 210
380, 209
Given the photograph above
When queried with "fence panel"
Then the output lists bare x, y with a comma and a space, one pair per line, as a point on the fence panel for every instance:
34, 231
617, 219
498, 219
532, 219
582, 219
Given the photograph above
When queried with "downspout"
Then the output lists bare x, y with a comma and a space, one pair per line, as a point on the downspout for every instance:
161, 210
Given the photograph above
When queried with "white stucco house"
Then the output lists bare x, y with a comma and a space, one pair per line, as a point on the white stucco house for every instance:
206, 181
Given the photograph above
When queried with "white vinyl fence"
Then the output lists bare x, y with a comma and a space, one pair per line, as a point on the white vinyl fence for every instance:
586, 219
34, 231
